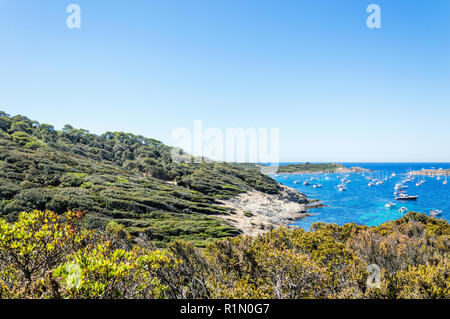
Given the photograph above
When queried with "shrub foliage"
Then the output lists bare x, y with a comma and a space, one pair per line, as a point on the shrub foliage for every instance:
46, 255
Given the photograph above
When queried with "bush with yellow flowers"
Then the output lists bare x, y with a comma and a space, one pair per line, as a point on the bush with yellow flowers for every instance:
45, 255
108, 273
31, 247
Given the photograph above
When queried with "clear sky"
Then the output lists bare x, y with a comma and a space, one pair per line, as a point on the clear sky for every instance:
337, 90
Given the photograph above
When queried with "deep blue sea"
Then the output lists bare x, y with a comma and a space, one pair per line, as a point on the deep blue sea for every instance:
365, 205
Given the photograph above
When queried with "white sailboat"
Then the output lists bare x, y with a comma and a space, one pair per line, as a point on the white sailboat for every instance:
400, 186
419, 183
390, 205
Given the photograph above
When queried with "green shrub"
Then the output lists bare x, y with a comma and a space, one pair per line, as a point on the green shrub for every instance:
248, 214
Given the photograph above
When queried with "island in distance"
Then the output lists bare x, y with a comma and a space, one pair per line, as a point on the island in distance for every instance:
307, 168
432, 172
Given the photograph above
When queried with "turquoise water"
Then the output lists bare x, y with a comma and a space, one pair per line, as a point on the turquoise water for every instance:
362, 204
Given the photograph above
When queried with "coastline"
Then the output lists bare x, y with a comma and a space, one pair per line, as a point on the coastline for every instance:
256, 213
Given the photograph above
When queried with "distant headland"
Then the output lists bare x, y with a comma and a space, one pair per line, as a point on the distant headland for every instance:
307, 168
432, 172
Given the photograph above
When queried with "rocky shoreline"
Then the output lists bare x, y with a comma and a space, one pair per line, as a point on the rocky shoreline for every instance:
256, 212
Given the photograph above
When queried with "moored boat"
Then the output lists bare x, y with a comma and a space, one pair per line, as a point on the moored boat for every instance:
390, 205
404, 196
400, 186
435, 212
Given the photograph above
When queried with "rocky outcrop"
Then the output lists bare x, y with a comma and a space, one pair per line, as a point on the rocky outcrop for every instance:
357, 169
354, 169
256, 212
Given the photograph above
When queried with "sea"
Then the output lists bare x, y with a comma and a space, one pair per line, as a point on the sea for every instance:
365, 205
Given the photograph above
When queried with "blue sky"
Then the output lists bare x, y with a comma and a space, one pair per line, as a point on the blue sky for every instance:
337, 90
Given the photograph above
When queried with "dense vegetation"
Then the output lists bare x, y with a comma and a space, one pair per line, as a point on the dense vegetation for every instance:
309, 168
118, 176
46, 255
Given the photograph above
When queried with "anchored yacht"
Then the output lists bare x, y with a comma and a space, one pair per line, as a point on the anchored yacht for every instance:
404, 196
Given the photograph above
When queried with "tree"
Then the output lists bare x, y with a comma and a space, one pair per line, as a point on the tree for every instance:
20, 127
46, 132
5, 123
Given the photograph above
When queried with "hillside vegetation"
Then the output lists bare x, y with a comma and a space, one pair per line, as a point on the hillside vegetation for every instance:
119, 177
46, 255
